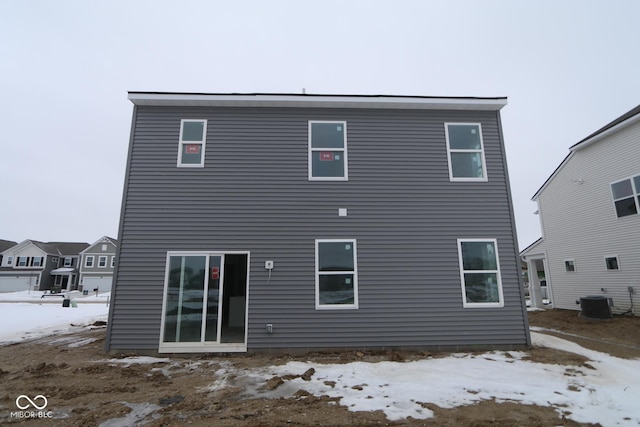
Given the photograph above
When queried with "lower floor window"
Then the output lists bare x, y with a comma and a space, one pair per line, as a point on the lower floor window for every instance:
336, 274
611, 262
480, 273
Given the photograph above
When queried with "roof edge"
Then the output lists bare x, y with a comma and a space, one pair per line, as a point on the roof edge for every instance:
315, 100
616, 125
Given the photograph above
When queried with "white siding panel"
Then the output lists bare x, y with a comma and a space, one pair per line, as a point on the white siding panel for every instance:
580, 222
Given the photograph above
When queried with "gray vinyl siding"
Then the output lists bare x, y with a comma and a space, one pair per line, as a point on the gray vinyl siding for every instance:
254, 195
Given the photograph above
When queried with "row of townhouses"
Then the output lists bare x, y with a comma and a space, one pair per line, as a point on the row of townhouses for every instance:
57, 266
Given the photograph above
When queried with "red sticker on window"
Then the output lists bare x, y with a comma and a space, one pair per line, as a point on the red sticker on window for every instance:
215, 273
326, 155
192, 149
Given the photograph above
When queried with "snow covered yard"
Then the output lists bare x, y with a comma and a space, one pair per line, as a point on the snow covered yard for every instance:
26, 315
604, 390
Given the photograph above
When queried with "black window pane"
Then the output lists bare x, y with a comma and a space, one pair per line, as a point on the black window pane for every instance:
335, 256
626, 207
481, 287
636, 181
336, 289
464, 137
327, 135
327, 164
479, 256
612, 263
622, 189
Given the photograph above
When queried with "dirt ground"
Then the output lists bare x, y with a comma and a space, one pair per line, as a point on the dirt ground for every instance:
84, 390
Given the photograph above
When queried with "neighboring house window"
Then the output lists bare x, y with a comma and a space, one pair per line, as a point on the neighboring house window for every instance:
626, 196
36, 261
88, 261
192, 143
612, 263
328, 151
9, 260
54, 260
480, 273
336, 274
113, 261
104, 248
569, 265
68, 262
102, 262
466, 152
22, 261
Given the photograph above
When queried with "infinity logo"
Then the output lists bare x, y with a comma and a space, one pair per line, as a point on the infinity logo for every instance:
30, 402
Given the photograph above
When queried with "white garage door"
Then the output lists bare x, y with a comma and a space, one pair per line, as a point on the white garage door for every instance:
14, 284
102, 283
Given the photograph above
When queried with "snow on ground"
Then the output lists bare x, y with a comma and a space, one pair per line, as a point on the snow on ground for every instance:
607, 393
25, 315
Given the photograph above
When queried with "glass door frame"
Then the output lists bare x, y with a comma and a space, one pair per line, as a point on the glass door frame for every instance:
202, 345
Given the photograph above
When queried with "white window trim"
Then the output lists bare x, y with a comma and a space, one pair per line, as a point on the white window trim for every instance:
635, 195
203, 347
70, 259
113, 261
353, 306
484, 177
10, 260
100, 258
86, 261
203, 143
33, 261
466, 304
564, 264
26, 261
617, 261
344, 153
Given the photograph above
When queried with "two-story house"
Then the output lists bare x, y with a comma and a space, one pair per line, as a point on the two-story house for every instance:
590, 218
97, 264
33, 265
265, 221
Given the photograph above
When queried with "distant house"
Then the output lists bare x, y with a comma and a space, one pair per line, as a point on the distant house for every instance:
262, 221
40, 266
590, 216
4, 245
97, 264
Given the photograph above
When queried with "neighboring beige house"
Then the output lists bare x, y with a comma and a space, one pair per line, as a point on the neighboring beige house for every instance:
97, 265
590, 218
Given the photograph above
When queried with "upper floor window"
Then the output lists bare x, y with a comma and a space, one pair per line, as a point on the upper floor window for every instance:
465, 151
480, 273
626, 196
193, 135
88, 261
22, 261
328, 151
9, 260
336, 274
37, 261
102, 261
68, 261
113, 261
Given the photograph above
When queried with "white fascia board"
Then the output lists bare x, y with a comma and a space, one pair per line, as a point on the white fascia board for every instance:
606, 133
319, 101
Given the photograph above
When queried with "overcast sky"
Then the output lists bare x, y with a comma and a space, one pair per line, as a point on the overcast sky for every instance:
567, 68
